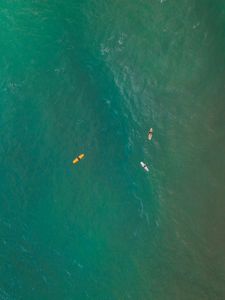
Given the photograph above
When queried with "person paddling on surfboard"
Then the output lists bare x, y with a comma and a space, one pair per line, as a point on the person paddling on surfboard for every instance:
150, 133
144, 166
78, 158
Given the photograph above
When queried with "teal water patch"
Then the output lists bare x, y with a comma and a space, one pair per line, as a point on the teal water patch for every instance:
93, 77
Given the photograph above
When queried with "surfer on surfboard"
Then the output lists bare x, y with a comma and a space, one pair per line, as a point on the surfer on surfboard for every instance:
150, 133
78, 158
144, 166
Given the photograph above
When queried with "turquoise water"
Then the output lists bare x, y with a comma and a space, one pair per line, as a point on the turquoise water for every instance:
92, 77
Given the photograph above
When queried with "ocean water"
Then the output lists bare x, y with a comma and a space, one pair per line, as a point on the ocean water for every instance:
92, 77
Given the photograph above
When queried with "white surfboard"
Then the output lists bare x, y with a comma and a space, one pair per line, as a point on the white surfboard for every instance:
150, 133
144, 166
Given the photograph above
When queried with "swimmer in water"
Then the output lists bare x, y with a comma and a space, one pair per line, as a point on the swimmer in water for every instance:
150, 133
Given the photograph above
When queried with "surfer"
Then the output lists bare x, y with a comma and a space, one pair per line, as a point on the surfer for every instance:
78, 158
150, 133
144, 166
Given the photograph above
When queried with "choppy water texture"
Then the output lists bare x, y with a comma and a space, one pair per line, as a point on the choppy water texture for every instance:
93, 77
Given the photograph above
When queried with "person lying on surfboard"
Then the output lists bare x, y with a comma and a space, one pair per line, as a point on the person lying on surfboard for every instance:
78, 158
144, 166
150, 133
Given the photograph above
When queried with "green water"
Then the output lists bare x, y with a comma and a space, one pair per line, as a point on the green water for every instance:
92, 77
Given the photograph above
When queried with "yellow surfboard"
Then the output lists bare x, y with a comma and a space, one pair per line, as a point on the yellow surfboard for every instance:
78, 158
